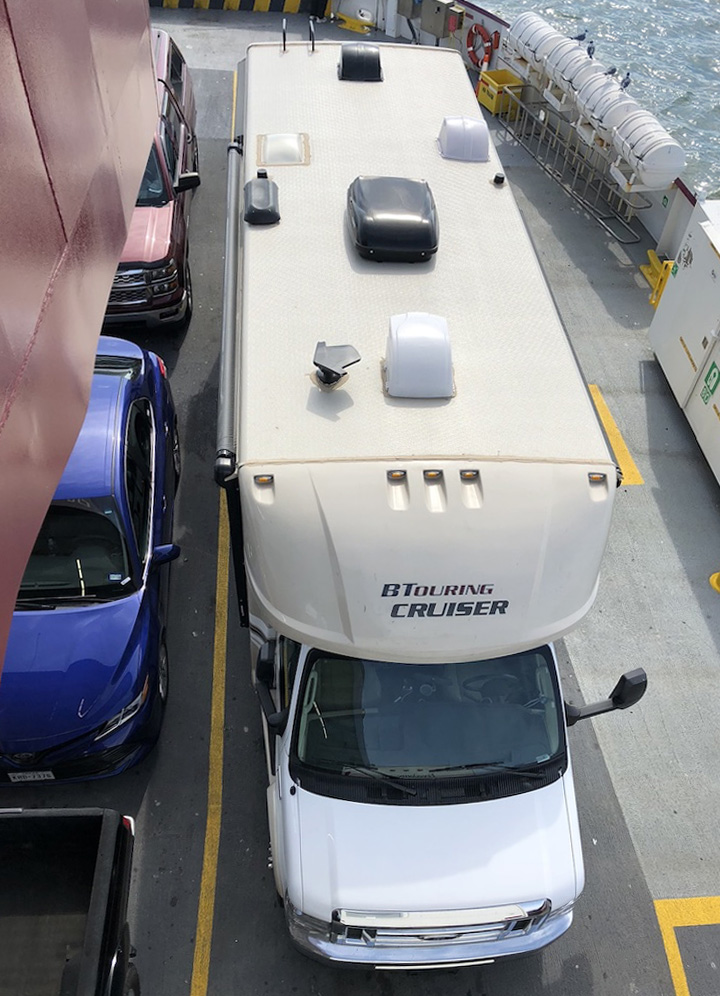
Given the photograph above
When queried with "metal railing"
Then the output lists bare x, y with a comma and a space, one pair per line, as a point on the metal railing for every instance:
579, 167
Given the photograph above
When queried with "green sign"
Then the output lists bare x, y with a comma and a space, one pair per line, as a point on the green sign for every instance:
712, 378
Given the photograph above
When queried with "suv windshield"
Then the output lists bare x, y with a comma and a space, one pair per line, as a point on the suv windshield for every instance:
424, 722
79, 553
153, 192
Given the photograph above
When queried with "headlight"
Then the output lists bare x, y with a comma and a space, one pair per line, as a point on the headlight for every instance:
130, 710
301, 925
164, 279
562, 910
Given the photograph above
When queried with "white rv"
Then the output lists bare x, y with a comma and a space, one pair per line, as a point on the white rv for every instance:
421, 495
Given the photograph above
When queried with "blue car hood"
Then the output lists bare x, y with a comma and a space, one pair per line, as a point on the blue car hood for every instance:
67, 670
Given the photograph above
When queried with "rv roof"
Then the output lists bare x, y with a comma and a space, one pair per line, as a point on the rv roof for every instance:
518, 391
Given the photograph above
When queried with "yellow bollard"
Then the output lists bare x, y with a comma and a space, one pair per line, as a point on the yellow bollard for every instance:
714, 581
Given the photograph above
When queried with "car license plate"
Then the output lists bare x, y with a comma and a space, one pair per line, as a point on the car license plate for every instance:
31, 776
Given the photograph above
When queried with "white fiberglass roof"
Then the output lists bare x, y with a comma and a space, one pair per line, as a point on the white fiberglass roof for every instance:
518, 392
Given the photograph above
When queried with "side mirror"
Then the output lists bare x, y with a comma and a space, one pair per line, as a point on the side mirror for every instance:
164, 554
187, 181
265, 667
629, 690
277, 721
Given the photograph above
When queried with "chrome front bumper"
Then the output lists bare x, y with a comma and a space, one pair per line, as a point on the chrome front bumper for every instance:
428, 948
152, 317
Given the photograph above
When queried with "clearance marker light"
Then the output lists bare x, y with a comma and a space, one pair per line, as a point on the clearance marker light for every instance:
469, 475
597, 478
264, 479
396, 475
432, 475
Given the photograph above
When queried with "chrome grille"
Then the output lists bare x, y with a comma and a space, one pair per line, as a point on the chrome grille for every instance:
130, 289
414, 937
129, 297
133, 278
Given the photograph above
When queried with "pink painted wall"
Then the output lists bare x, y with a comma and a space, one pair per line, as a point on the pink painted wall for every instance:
77, 117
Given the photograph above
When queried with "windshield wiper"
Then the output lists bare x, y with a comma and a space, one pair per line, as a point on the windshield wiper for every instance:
33, 603
51, 601
80, 599
491, 769
379, 776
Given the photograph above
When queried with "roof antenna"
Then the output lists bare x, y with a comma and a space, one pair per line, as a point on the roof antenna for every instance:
284, 31
331, 362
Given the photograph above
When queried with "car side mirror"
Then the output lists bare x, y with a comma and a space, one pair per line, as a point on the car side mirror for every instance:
265, 666
187, 181
629, 690
277, 721
164, 554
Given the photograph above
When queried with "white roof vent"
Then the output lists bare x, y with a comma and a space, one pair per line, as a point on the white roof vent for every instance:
419, 358
465, 138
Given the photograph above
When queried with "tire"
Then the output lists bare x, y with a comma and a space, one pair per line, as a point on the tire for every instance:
176, 455
181, 325
163, 678
189, 292
132, 982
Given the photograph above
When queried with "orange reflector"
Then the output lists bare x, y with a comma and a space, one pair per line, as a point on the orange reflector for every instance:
469, 475
264, 479
597, 478
432, 475
396, 475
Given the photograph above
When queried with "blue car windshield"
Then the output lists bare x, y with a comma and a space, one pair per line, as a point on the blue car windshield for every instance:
79, 553
153, 192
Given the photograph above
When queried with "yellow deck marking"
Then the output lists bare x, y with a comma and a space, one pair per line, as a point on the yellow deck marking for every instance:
672, 913
206, 902
631, 475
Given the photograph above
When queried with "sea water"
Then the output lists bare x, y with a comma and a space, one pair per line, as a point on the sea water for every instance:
672, 51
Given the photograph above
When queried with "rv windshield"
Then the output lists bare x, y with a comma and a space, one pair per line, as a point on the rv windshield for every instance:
361, 719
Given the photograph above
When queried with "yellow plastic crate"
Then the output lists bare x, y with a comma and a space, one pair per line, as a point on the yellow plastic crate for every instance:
493, 88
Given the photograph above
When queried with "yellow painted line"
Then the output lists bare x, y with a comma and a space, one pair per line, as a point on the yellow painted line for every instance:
291, 7
631, 475
671, 913
201, 4
231, 5
263, 5
208, 881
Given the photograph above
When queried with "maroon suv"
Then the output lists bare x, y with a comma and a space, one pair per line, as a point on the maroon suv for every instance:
152, 285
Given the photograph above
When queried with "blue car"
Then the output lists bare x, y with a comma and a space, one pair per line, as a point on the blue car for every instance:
85, 678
